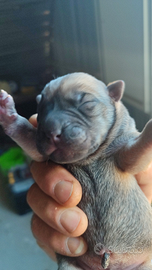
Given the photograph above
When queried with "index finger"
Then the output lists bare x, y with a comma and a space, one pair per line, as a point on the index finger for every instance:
33, 120
57, 182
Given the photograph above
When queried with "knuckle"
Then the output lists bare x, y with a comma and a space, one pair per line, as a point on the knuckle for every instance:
32, 166
51, 213
56, 242
49, 251
30, 194
35, 226
52, 241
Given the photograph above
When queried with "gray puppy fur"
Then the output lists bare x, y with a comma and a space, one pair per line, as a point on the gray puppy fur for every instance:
83, 125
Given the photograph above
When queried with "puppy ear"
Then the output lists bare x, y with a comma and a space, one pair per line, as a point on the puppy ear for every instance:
38, 98
116, 90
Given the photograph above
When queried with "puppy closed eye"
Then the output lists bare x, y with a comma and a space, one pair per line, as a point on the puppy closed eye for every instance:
88, 107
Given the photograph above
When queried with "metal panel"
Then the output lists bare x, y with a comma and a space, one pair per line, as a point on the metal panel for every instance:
22, 36
75, 37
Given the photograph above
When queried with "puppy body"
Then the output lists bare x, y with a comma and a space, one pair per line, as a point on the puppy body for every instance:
83, 125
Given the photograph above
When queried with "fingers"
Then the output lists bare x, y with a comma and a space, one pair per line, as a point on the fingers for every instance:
48, 237
57, 223
57, 182
144, 180
68, 221
33, 120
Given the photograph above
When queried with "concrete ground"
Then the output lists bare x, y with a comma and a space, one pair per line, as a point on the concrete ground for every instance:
18, 248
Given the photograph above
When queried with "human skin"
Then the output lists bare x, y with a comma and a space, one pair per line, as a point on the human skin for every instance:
58, 223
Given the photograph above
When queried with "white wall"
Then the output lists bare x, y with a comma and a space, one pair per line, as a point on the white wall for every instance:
104, 38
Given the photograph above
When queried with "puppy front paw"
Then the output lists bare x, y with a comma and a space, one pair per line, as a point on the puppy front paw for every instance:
8, 114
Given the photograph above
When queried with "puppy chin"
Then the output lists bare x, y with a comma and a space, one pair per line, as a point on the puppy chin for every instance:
67, 157
64, 154
46, 149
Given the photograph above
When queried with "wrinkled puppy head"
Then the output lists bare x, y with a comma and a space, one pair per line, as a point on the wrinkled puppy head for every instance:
75, 114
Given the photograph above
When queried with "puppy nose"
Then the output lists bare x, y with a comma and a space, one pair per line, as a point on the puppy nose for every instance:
53, 128
54, 135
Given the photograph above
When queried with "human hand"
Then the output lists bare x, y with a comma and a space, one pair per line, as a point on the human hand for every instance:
57, 222
53, 182
144, 180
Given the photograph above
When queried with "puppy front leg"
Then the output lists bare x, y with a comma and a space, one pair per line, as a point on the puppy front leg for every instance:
17, 127
137, 154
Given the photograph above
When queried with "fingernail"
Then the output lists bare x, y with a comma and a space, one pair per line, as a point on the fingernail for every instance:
70, 220
63, 191
75, 245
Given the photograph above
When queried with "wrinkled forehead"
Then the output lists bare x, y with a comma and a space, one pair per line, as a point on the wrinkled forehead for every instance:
71, 84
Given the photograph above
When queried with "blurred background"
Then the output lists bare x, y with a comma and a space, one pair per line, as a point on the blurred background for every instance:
41, 40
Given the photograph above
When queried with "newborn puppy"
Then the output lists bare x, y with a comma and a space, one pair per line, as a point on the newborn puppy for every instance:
83, 125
